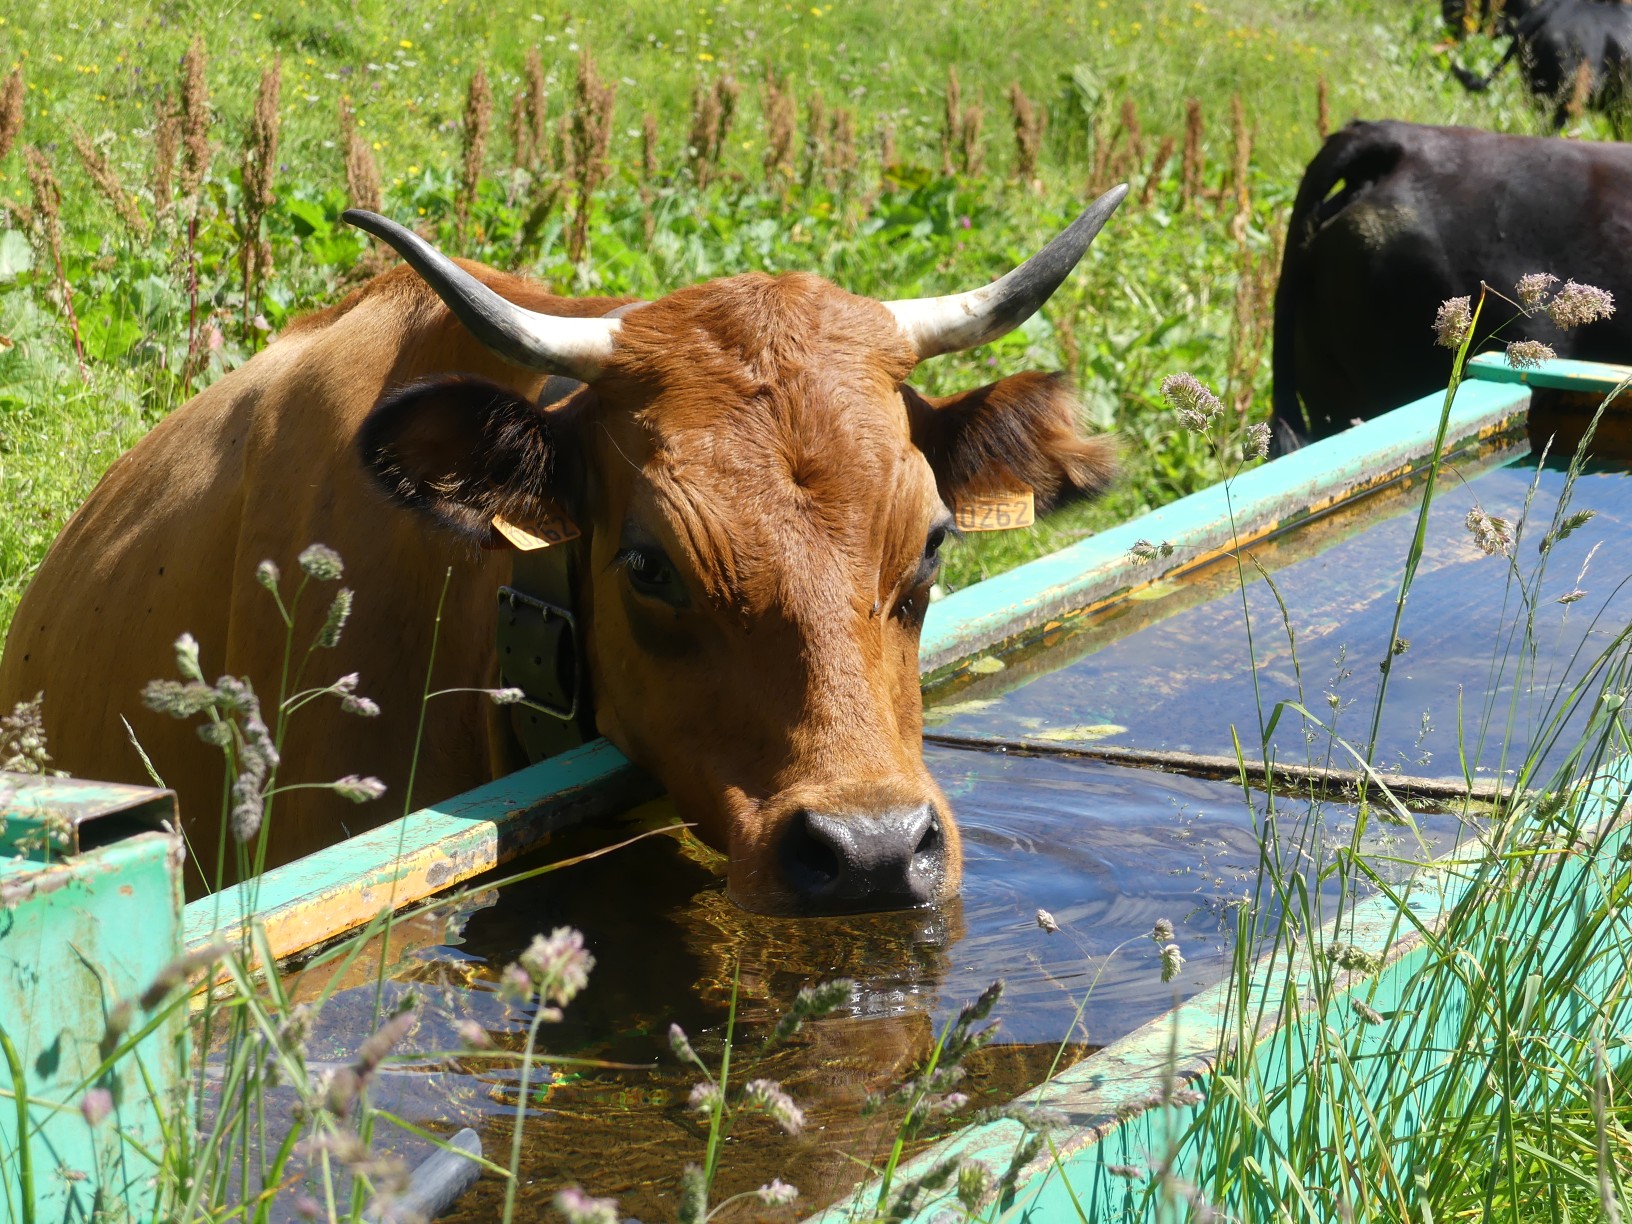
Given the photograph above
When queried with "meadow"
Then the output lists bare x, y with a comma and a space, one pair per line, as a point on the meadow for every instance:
154, 160
171, 179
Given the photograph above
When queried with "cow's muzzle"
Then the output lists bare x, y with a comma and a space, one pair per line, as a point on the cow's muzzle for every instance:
840, 862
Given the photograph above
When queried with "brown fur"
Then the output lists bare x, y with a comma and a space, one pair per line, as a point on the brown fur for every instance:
757, 430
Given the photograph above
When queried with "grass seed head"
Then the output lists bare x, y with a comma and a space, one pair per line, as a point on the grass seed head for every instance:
1452, 322
777, 1193
1527, 354
195, 120
1575, 305
1532, 289
22, 738
11, 110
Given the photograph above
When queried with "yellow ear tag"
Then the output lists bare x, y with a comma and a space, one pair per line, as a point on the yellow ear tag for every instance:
541, 533
999, 512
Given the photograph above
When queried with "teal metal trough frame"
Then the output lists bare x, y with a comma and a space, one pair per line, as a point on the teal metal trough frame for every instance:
90, 912
346, 886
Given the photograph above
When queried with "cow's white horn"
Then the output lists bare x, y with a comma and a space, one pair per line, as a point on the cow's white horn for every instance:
576, 348
963, 320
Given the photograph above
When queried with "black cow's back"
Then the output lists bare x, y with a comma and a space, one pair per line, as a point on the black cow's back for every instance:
1391, 219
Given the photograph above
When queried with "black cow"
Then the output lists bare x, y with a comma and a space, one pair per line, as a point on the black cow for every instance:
1554, 41
1391, 219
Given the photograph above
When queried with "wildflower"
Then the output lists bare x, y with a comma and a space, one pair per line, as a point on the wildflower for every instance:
1492, 535
1532, 288
1527, 354
322, 562
812, 1003
1366, 1012
177, 698
1257, 446
1046, 921
515, 984
974, 1184
1162, 932
559, 965
777, 1193
22, 738
1143, 551
177, 972
1172, 961
580, 1208
704, 1098
363, 707
1195, 404
1452, 322
95, 1105
215, 734
767, 1095
358, 790
506, 696
680, 1044
268, 575
334, 621
1347, 956
1576, 304
472, 1035
187, 657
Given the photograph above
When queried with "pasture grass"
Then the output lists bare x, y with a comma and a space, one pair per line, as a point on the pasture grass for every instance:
161, 313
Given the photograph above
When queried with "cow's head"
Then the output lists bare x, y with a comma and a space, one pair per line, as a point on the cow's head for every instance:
763, 499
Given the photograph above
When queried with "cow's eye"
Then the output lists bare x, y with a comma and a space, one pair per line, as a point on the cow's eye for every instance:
651, 574
937, 537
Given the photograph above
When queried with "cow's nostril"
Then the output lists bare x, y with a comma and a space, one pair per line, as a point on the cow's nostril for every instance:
837, 861
812, 862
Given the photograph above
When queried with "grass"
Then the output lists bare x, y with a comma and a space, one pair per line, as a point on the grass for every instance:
1164, 288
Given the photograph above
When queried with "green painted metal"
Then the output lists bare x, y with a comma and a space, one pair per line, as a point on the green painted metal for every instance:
79, 934
1558, 374
346, 885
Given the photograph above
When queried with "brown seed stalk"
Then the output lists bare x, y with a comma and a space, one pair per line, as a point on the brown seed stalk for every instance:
815, 138
701, 146
887, 157
166, 140
842, 160
1241, 168
259, 169
529, 118
1164, 154
473, 140
48, 218
591, 138
1029, 122
781, 118
1190, 171
362, 172
106, 181
1323, 114
952, 127
195, 121
648, 171
971, 154
1580, 91
11, 110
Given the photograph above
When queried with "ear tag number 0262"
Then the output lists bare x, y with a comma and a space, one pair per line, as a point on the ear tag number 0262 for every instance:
997, 513
540, 533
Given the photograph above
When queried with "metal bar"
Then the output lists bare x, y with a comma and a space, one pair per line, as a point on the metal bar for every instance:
1328, 782
1559, 374
345, 886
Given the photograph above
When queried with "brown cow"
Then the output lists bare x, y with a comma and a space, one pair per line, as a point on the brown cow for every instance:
761, 497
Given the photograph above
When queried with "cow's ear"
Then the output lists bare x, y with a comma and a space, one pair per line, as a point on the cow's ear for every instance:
464, 451
1018, 435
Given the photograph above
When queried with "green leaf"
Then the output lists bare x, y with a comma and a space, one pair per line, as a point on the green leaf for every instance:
16, 256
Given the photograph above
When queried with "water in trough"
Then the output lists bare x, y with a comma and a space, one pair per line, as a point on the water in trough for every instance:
1105, 847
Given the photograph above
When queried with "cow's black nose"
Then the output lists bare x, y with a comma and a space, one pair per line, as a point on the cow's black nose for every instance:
847, 861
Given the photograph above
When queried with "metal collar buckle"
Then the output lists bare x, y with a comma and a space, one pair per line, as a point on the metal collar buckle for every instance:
538, 653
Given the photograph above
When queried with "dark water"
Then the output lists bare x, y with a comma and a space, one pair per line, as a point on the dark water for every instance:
1108, 850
